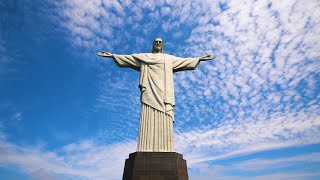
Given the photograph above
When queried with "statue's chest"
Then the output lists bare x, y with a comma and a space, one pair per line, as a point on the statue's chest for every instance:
159, 58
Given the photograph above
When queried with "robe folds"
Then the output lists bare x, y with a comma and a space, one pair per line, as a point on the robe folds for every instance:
157, 96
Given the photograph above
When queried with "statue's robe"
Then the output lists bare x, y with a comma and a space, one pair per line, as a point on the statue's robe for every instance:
157, 96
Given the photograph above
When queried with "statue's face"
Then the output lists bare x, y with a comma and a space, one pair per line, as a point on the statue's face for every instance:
157, 45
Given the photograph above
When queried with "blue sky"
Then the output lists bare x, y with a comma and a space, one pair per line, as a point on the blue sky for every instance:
252, 113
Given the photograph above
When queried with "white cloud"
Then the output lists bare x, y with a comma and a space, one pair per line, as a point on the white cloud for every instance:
283, 176
265, 164
203, 172
165, 11
260, 65
87, 160
263, 168
84, 160
248, 136
43, 174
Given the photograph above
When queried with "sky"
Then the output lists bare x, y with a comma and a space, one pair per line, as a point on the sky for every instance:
251, 113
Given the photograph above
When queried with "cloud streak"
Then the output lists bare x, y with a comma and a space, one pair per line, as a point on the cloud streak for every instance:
247, 137
83, 160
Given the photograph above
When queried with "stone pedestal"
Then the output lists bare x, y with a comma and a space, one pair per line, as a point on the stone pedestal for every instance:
155, 166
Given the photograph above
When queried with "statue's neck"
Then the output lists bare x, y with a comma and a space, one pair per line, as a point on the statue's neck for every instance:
157, 50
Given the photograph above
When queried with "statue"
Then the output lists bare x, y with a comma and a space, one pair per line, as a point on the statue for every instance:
157, 93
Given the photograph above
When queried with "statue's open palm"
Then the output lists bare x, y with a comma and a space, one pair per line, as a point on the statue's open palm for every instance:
104, 54
207, 58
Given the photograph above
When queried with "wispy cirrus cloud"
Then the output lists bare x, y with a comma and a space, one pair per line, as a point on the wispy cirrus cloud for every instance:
264, 64
104, 24
267, 51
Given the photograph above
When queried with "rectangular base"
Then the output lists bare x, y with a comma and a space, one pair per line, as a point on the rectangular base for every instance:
155, 166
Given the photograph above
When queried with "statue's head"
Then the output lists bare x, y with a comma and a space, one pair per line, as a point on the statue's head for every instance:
157, 46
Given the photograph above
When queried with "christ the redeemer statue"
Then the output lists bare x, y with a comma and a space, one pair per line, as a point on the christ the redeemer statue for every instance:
157, 93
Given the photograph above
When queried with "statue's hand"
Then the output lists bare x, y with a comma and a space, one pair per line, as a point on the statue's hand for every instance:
207, 58
104, 54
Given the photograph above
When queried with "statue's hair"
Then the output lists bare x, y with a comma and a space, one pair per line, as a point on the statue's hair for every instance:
153, 49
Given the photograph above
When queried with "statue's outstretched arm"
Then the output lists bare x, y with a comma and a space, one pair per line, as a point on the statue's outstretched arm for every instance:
207, 58
105, 54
